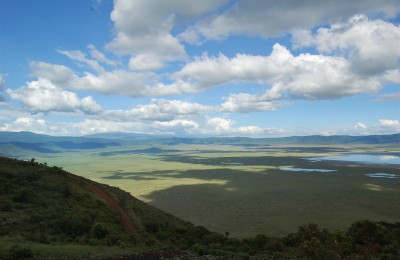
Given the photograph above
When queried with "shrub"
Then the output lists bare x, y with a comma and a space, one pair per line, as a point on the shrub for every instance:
200, 249
214, 238
365, 233
16, 252
24, 196
198, 231
6, 205
99, 231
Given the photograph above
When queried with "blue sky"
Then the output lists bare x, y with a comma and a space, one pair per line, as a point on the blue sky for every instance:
200, 68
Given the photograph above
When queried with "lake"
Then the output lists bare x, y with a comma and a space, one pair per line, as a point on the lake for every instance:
304, 170
363, 158
383, 175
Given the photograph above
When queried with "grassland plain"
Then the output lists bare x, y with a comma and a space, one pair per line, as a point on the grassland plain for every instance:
241, 189
48, 213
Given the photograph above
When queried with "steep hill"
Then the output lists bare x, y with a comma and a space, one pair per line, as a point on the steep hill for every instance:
48, 213
47, 205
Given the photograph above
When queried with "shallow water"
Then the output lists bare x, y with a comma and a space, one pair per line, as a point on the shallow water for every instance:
383, 175
232, 163
304, 170
364, 158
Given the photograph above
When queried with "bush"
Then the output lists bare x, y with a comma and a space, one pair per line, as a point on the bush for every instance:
200, 249
72, 225
198, 232
6, 205
364, 233
153, 226
24, 196
163, 235
274, 245
214, 238
316, 249
16, 252
99, 231
258, 243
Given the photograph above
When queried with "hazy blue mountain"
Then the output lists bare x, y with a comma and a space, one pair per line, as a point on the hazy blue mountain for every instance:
114, 139
338, 139
15, 143
313, 139
127, 136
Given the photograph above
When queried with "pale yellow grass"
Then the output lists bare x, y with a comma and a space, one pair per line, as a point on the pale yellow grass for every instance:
99, 168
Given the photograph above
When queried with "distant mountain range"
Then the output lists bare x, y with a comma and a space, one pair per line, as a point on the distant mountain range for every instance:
18, 144
128, 136
111, 139
312, 139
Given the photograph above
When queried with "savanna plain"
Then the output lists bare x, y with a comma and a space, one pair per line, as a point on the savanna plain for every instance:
246, 189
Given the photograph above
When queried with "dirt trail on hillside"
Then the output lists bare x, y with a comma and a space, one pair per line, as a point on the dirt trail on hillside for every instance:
125, 220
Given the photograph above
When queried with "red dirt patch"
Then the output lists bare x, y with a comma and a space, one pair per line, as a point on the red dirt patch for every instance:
125, 220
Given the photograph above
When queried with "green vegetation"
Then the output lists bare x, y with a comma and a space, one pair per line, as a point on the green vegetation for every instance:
233, 185
242, 190
49, 213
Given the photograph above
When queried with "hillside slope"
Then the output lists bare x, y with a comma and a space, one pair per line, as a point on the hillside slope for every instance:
48, 205
48, 213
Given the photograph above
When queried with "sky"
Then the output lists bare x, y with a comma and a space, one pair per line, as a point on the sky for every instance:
255, 68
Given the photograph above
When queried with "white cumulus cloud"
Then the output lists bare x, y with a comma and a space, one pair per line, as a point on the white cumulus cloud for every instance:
127, 83
43, 96
59, 75
360, 126
272, 18
395, 96
145, 62
99, 56
305, 76
244, 102
390, 125
370, 45
158, 109
2, 83
145, 27
226, 127
33, 124
81, 58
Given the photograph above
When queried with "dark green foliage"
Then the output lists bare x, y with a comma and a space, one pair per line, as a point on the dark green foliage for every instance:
17, 252
67, 192
50, 206
213, 239
73, 225
32, 162
99, 231
198, 231
366, 232
6, 205
371, 239
25, 196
